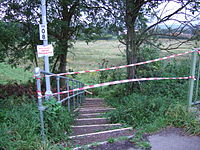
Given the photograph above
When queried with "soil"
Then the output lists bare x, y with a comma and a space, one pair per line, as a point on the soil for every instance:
94, 138
119, 145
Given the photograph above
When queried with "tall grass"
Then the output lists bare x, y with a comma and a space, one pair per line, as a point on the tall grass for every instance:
20, 125
10, 75
155, 104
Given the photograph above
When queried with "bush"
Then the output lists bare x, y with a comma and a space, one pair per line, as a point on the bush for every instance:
155, 104
20, 125
174, 89
137, 109
57, 121
178, 116
152, 113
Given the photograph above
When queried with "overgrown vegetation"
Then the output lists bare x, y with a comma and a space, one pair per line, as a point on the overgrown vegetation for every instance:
154, 104
57, 121
153, 113
20, 125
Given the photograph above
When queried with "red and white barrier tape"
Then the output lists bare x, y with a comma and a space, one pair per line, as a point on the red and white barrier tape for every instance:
197, 49
119, 82
125, 66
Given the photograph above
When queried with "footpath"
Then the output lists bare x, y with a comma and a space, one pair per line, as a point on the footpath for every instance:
91, 126
93, 131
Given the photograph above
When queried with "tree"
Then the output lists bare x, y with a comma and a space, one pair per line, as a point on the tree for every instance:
20, 33
137, 22
16, 46
65, 22
8, 38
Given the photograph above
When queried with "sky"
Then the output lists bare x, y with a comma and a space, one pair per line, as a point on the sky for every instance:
170, 8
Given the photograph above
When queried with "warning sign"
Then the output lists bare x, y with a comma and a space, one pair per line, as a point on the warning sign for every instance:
45, 50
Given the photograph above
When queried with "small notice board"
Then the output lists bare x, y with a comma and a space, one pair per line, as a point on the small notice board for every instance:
45, 50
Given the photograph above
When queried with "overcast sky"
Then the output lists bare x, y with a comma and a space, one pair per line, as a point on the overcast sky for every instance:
171, 7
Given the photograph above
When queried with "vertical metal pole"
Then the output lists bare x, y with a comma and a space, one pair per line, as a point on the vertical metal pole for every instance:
79, 86
191, 81
58, 86
76, 97
83, 94
197, 82
40, 106
68, 94
46, 58
73, 86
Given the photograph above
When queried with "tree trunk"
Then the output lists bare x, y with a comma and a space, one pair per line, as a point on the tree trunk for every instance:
131, 71
132, 8
131, 50
63, 63
54, 66
131, 55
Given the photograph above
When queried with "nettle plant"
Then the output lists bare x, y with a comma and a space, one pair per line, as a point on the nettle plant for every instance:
57, 120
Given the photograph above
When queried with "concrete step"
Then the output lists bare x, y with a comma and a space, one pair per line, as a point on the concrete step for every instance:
93, 105
90, 121
84, 139
94, 110
84, 129
94, 99
92, 115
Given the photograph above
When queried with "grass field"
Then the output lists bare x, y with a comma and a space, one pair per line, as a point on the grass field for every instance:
91, 56
87, 56
175, 42
10, 75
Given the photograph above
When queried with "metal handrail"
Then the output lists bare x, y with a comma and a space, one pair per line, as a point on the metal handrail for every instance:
77, 97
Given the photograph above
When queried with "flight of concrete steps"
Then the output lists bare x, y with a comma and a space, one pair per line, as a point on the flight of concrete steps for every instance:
91, 126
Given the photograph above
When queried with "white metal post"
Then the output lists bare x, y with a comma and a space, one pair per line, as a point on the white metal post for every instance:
45, 43
40, 106
191, 81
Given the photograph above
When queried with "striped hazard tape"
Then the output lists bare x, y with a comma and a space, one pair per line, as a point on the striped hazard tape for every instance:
125, 66
118, 82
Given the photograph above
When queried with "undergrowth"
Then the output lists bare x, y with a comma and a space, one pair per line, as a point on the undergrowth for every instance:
155, 104
20, 125
152, 113
150, 107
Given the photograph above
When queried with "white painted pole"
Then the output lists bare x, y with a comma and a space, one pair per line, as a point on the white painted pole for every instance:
45, 42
